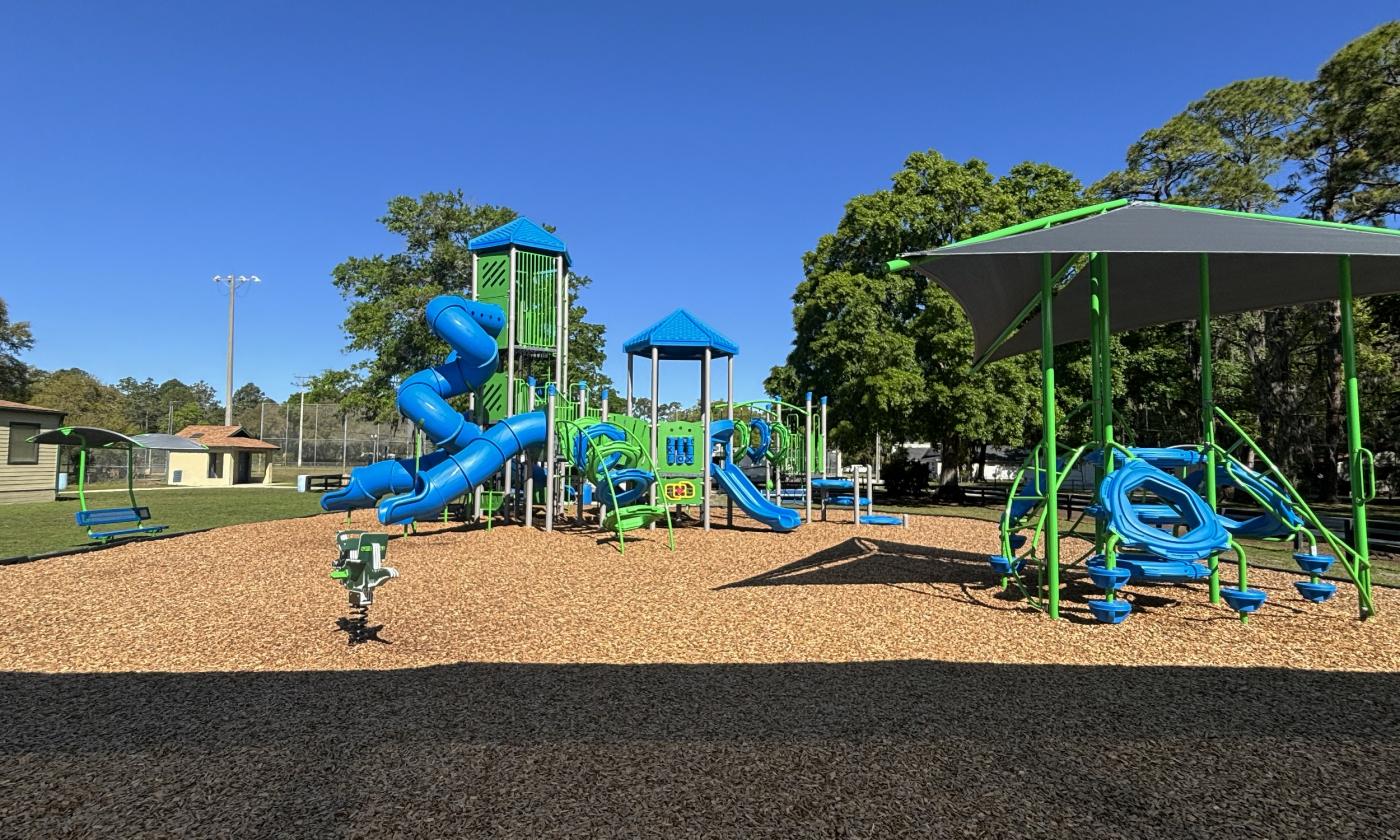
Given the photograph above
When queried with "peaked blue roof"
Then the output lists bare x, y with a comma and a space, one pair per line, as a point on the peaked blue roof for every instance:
523, 233
680, 335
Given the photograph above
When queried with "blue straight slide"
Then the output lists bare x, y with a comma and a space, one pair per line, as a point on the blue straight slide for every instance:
481, 458
470, 329
737, 486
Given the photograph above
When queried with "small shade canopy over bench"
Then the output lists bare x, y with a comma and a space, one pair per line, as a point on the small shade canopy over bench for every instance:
88, 438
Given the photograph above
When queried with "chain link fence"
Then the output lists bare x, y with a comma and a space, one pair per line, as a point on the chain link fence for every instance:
323, 435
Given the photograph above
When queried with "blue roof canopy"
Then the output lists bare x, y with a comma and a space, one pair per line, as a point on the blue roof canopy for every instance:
521, 233
680, 335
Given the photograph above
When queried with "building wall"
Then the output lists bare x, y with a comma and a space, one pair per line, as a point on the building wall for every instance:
27, 482
194, 467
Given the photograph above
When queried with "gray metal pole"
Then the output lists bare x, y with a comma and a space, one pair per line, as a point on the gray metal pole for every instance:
510, 371
560, 321
733, 444
529, 468
823, 448
262, 419
301, 423
878, 454
228, 370
808, 457
583, 478
655, 420
704, 446
344, 439
549, 455
777, 467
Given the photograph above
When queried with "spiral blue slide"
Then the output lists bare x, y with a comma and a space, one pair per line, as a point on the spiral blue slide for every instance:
737, 486
470, 329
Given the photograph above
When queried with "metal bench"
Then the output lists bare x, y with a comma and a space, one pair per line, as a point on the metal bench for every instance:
322, 483
117, 516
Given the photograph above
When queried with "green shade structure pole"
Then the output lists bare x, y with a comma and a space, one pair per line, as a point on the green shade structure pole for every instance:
82, 477
1103, 381
1358, 458
1049, 444
1208, 411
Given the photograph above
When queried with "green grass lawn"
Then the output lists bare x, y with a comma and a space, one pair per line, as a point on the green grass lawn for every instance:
39, 527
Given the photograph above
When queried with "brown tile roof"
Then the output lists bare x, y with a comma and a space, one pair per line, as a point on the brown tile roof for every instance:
224, 437
19, 406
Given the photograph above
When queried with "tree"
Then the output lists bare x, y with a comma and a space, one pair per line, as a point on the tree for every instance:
247, 406
1349, 171
1228, 149
15, 338
387, 294
84, 400
893, 352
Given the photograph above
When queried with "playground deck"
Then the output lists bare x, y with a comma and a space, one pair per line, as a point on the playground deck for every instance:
831, 681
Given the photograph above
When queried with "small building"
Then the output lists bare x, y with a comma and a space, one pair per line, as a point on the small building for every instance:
28, 471
234, 457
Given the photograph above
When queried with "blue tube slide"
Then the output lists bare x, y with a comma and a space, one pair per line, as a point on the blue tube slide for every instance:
481, 458
368, 483
737, 486
470, 329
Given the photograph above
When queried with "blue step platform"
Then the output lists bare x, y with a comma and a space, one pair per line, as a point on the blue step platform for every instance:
1315, 592
1110, 612
1005, 566
1244, 602
1313, 564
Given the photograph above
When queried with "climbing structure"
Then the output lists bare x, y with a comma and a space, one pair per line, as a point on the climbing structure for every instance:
1155, 516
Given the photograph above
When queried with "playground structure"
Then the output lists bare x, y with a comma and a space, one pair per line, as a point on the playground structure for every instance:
134, 518
1154, 519
529, 439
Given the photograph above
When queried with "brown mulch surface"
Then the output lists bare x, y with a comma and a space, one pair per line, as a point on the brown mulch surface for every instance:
833, 682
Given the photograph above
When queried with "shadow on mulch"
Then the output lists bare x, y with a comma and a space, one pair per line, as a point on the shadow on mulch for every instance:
786, 750
863, 560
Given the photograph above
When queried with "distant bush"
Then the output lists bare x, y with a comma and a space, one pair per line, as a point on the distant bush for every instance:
906, 478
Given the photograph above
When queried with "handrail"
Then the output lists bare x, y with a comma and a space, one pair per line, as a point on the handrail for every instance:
1348, 556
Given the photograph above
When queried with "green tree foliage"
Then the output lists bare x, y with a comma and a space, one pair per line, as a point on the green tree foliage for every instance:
386, 295
893, 352
83, 398
15, 338
1349, 148
247, 406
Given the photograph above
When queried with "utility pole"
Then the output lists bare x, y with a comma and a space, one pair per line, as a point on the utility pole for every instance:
233, 281
300, 382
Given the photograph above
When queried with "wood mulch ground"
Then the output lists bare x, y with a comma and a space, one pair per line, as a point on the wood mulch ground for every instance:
833, 682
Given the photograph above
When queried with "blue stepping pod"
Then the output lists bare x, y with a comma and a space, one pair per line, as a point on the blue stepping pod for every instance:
1110, 612
1315, 592
1244, 602
1018, 541
1110, 579
1313, 564
1004, 566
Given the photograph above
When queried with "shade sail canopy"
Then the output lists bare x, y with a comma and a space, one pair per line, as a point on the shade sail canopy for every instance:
92, 437
1256, 262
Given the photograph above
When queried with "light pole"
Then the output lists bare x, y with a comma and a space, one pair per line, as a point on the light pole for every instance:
300, 382
233, 281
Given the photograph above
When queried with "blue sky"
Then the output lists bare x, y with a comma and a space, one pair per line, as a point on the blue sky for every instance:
688, 153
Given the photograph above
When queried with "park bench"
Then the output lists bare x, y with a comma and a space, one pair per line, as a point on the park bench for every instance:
117, 516
322, 483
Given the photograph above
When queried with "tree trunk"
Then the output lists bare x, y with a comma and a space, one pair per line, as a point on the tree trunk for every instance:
1330, 360
949, 490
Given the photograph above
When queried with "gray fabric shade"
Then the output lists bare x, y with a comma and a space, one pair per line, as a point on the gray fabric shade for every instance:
93, 437
1153, 269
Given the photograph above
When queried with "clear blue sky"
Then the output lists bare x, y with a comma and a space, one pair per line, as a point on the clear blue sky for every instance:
688, 153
